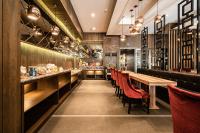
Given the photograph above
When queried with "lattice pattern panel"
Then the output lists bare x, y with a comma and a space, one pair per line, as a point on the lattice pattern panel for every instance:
144, 48
185, 21
161, 56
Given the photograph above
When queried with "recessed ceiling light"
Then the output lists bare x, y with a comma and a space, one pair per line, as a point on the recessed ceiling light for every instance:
93, 28
92, 15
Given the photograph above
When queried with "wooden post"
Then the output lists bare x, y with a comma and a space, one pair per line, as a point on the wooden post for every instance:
10, 92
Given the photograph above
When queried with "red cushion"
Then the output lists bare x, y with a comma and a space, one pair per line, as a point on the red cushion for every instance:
185, 108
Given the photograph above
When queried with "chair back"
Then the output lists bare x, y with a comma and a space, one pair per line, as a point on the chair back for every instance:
128, 91
120, 79
185, 109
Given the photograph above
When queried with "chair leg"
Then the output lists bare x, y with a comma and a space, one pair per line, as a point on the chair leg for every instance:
129, 107
148, 102
119, 93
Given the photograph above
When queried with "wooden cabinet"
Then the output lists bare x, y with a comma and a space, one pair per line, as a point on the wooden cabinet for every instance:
42, 95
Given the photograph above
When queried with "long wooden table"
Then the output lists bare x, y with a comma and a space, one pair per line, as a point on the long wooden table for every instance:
152, 82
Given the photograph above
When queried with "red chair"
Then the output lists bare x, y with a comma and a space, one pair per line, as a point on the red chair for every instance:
112, 76
131, 95
185, 109
120, 83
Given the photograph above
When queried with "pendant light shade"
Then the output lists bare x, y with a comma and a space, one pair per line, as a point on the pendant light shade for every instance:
55, 30
139, 20
51, 39
66, 39
157, 18
37, 31
122, 38
33, 13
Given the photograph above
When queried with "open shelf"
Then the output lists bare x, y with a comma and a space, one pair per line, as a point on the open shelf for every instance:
36, 96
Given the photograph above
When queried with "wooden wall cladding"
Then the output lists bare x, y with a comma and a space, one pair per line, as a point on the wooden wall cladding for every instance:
1, 68
33, 55
10, 94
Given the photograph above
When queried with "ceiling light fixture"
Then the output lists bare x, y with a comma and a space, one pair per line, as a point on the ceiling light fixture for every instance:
157, 17
37, 31
123, 37
131, 25
66, 39
93, 15
93, 28
54, 29
33, 13
140, 20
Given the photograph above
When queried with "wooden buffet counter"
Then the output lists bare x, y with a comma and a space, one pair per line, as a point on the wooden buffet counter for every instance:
43, 94
93, 73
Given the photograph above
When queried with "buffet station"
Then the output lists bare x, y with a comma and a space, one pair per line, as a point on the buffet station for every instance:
44, 87
93, 72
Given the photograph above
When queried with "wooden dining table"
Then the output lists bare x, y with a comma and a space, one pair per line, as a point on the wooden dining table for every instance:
152, 82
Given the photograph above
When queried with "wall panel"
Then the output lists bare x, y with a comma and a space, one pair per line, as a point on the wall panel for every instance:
1, 75
33, 55
12, 95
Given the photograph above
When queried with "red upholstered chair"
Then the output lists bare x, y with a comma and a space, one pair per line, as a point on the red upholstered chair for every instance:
185, 108
131, 95
120, 83
112, 76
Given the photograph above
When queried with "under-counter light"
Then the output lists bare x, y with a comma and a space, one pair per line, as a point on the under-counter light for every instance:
33, 13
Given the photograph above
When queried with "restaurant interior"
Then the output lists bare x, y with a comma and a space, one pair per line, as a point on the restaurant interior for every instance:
100, 66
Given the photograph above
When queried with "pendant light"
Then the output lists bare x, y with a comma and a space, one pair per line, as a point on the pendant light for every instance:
33, 13
157, 17
54, 29
131, 25
66, 39
135, 29
140, 20
37, 31
122, 37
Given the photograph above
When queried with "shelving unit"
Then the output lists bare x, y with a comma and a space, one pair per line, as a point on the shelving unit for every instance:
42, 95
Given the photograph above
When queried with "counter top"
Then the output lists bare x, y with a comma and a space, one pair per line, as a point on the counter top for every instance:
93, 69
30, 79
74, 72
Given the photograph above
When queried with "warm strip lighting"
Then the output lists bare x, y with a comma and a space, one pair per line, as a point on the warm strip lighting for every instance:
55, 19
26, 45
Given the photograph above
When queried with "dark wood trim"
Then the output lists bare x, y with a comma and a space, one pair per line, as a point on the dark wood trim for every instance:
198, 40
12, 96
1, 67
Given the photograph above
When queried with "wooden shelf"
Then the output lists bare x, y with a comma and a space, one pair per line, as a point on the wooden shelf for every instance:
62, 84
42, 120
36, 96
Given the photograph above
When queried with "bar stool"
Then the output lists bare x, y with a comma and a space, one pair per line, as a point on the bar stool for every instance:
132, 95
185, 108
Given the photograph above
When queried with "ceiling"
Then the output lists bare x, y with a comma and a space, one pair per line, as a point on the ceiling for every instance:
109, 21
102, 9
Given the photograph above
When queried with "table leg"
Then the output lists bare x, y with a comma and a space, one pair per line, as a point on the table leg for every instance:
152, 92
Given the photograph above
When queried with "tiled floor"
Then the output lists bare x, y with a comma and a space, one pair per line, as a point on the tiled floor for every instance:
94, 108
